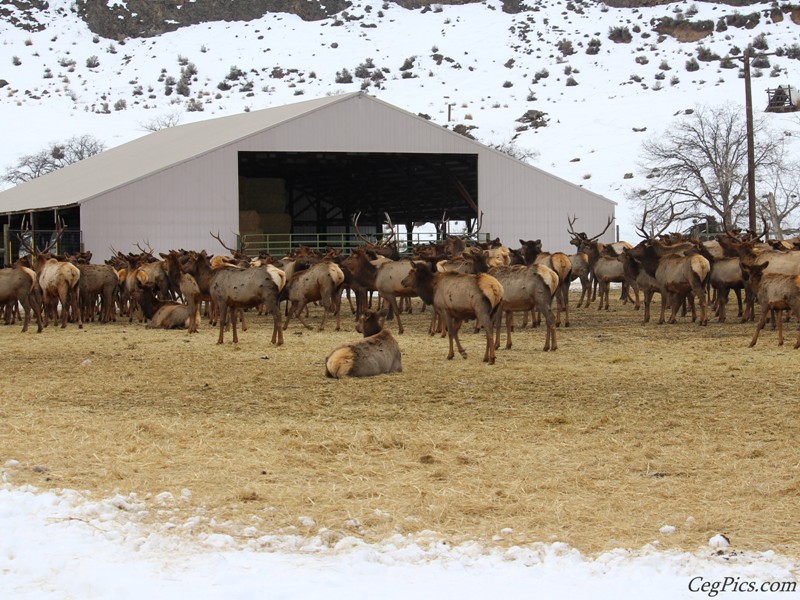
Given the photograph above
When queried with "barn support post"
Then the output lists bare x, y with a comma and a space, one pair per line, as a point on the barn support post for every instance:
6, 243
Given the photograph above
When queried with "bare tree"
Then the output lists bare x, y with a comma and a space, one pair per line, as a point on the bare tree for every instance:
779, 202
52, 158
525, 155
698, 166
164, 121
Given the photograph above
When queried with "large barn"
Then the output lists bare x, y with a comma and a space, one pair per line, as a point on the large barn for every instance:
298, 172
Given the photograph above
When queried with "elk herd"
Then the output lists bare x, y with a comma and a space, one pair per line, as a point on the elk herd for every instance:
459, 279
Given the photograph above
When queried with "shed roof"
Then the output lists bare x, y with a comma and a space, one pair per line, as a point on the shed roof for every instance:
147, 155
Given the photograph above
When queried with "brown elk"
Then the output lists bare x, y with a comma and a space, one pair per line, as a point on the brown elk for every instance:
244, 288
97, 281
583, 272
726, 275
166, 314
645, 282
604, 258
776, 292
59, 283
389, 279
322, 282
18, 285
751, 252
458, 296
375, 354
558, 262
677, 276
527, 288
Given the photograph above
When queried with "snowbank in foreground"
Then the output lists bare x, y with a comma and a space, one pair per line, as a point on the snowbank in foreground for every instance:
66, 545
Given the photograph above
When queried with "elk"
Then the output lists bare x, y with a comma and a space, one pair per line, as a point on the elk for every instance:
776, 292
785, 263
726, 275
375, 354
646, 283
389, 283
321, 282
558, 262
602, 258
458, 296
162, 314
244, 288
190, 292
59, 283
527, 288
97, 280
582, 271
18, 285
676, 275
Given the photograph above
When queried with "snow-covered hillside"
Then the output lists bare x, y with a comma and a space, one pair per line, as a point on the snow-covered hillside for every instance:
474, 63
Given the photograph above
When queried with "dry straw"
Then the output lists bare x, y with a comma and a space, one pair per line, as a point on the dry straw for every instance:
625, 429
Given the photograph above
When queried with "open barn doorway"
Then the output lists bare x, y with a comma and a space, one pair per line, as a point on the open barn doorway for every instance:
295, 194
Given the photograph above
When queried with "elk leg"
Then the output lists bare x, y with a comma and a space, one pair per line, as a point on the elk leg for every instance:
779, 317
565, 293
454, 336
222, 319
233, 312
489, 354
509, 328
760, 326
392, 300
550, 337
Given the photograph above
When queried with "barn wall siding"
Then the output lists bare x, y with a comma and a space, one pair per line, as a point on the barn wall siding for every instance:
173, 209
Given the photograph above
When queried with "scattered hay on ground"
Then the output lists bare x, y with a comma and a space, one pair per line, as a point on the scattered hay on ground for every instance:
625, 429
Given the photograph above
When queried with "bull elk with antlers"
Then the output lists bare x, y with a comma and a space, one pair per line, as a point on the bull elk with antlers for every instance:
605, 264
679, 271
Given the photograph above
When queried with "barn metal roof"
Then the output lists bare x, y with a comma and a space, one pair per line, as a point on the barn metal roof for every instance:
149, 154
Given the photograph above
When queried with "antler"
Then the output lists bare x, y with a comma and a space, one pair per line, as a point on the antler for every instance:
390, 239
478, 226
571, 229
217, 237
652, 235
149, 248
58, 233
356, 217
610, 220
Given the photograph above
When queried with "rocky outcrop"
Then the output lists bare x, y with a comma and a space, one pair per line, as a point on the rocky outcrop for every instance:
145, 18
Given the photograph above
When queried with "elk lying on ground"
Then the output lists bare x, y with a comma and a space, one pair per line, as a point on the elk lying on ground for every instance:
376, 354
164, 314
18, 285
457, 296
776, 292
526, 288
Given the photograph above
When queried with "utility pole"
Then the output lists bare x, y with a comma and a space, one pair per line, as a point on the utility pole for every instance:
751, 152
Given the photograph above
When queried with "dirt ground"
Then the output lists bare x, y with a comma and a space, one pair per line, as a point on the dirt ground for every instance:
625, 429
